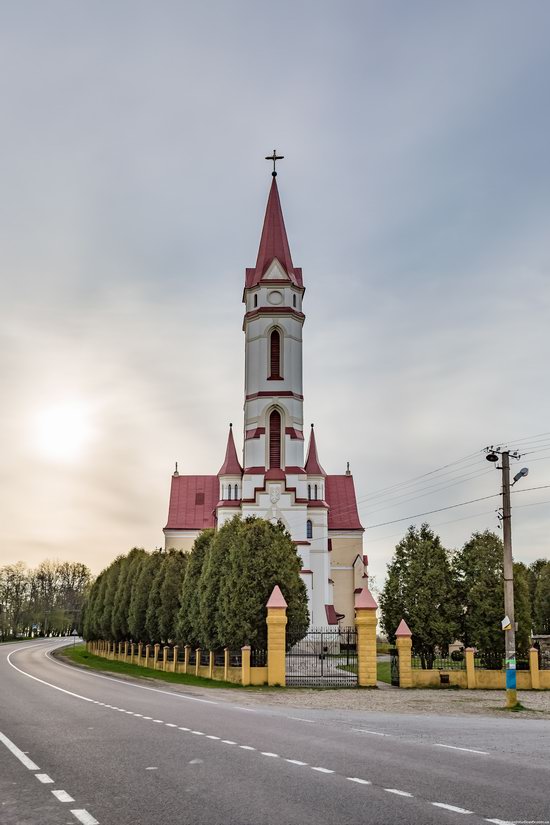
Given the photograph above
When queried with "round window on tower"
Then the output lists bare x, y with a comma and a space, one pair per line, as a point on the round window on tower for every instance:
275, 297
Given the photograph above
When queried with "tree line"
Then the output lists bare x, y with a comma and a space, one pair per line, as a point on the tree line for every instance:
445, 596
212, 597
44, 601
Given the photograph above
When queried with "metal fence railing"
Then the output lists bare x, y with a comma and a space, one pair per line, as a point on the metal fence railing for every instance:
544, 661
438, 663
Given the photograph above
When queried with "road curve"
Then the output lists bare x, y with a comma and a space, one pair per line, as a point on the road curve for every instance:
78, 746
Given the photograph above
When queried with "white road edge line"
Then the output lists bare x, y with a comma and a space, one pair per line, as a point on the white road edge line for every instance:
44, 778
398, 792
83, 816
374, 732
456, 748
63, 796
23, 758
111, 679
452, 808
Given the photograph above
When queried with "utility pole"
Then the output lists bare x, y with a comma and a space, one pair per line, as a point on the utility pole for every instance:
510, 632
509, 623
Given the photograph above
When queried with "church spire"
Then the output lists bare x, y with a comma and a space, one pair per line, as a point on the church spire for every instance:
312, 467
230, 466
273, 242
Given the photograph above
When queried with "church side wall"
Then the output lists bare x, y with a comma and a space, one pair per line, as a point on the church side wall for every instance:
345, 549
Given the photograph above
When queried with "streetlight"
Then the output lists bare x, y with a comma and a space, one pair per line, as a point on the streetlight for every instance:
508, 623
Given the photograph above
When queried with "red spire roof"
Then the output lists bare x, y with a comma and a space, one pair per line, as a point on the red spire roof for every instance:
230, 466
273, 243
312, 466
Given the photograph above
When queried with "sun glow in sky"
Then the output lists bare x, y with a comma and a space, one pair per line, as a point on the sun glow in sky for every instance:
63, 432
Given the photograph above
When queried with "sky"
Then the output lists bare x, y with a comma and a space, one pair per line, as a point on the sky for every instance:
415, 188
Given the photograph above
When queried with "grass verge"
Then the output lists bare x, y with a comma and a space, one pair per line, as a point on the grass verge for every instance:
80, 656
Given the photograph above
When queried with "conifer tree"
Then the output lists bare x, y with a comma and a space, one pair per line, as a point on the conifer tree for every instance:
123, 594
214, 570
420, 589
188, 623
170, 592
153, 602
140, 597
541, 607
263, 555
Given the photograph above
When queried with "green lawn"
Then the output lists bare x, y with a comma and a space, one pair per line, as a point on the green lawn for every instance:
383, 672
80, 656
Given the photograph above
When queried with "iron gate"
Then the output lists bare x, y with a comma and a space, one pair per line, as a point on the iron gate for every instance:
394, 666
326, 656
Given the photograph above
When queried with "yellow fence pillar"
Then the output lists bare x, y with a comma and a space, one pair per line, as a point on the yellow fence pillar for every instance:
140, 652
469, 654
276, 638
186, 654
156, 656
197, 660
365, 622
245, 665
226, 664
211, 665
175, 654
534, 668
125, 657
165, 658
403, 641
147, 655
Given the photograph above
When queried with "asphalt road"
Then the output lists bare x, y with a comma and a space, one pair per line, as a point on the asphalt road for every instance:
78, 746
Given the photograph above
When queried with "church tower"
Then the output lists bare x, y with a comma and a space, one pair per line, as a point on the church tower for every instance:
274, 482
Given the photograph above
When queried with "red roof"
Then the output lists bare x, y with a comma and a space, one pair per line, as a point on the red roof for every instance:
193, 500
340, 496
273, 243
230, 466
312, 466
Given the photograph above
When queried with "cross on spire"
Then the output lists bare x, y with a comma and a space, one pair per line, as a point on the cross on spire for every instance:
274, 157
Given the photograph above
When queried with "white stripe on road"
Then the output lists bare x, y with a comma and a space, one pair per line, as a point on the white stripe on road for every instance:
374, 732
247, 747
111, 679
171, 725
397, 792
359, 781
23, 758
228, 742
43, 777
500, 821
455, 748
83, 816
452, 808
295, 762
63, 796
211, 736
268, 753
322, 770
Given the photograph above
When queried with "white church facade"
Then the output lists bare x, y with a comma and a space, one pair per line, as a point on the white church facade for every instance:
274, 481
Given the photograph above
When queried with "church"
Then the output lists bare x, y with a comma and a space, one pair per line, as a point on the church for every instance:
273, 481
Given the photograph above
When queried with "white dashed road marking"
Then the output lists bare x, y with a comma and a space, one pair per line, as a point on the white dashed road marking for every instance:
322, 770
268, 753
359, 781
84, 817
295, 762
455, 748
228, 742
247, 747
373, 732
44, 778
452, 808
28, 763
397, 792
63, 796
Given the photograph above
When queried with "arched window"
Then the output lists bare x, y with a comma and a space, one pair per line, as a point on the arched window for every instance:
309, 491
309, 529
275, 354
294, 300
236, 492
275, 440
315, 492
229, 492
255, 300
